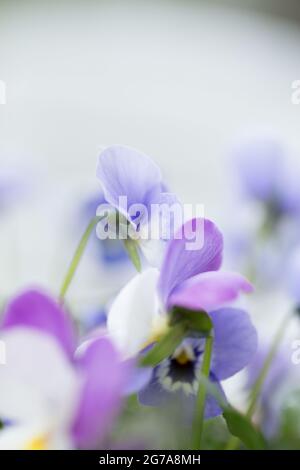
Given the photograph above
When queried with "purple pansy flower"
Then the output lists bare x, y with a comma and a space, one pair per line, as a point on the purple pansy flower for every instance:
52, 398
266, 177
192, 280
178, 375
132, 183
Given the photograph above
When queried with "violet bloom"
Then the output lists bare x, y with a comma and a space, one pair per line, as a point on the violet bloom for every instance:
267, 178
132, 184
52, 399
192, 280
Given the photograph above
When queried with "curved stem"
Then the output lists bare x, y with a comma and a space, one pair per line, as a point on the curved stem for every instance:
256, 390
201, 396
77, 257
258, 384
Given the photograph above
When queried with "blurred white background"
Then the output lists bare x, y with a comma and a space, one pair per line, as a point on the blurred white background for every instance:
178, 80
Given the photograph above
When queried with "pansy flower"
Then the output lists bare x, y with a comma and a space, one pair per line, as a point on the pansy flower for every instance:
132, 185
189, 279
49, 398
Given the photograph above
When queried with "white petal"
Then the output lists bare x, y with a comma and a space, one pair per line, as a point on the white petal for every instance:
21, 437
132, 313
153, 250
38, 383
16, 437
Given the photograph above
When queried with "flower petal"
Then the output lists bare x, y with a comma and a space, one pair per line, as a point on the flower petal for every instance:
138, 379
209, 290
235, 341
181, 262
15, 437
124, 171
104, 378
155, 395
34, 309
38, 382
212, 407
131, 315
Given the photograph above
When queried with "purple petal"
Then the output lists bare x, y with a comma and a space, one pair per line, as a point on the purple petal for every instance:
181, 263
235, 342
168, 215
123, 171
34, 309
154, 394
104, 379
212, 407
15, 185
209, 291
138, 379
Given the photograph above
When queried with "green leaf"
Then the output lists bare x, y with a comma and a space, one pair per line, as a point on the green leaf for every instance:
197, 321
241, 427
132, 250
166, 346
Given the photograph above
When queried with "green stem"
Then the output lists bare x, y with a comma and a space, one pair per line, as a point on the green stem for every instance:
257, 387
201, 396
77, 256
265, 369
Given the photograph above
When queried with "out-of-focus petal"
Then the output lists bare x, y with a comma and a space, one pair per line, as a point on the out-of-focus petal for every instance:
138, 378
34, 309
28, 437
104, 378
260, 163
38, 382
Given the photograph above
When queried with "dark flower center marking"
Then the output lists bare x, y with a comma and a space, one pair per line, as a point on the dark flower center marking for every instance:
180, 371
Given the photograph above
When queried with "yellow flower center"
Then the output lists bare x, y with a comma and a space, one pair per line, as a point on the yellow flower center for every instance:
183, 357
39, 442
160, 326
